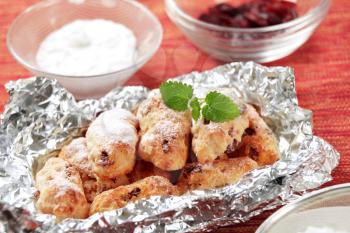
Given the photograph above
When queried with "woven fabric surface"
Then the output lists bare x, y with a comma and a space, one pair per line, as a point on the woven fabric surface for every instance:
322, 68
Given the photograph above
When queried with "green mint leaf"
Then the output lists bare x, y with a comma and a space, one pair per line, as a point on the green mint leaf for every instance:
219, 108
196, 109
176, 95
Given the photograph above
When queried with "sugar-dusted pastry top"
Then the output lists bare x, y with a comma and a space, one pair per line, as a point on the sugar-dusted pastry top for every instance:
76, 154
211, 140
94, 186
216, 174
158, 151
111, 141
61, 190
164, 134
119, 197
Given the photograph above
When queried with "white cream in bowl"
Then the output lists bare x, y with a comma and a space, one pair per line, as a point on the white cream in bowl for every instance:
87, 47
321, 220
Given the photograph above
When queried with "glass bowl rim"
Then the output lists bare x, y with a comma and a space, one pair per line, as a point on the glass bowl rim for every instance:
289, 208
35, 69
319, 9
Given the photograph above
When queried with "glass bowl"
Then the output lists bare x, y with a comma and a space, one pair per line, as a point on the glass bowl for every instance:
263, 44
328, 208
33, 25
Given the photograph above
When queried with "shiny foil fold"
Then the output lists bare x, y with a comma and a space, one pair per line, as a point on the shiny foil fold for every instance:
41, 115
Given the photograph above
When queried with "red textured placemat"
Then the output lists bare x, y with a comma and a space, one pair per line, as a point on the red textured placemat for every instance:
322, 68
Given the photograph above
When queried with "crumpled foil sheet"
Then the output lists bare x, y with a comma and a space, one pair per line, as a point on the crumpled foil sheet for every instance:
41, 115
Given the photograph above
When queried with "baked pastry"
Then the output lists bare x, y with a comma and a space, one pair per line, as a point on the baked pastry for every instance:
94, 186
216, 174
145, 169
97, 169
119, 197
61, 190
76, 154
111, 142
211, 140
165, 134
258, 142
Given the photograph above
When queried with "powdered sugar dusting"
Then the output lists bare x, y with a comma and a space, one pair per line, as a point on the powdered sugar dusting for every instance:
63, 186
117, 125
163, 129
76, 153
153, 101
213, 126
168, 129
59, 175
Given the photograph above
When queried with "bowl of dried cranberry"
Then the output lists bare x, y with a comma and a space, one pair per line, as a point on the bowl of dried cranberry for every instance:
238, 30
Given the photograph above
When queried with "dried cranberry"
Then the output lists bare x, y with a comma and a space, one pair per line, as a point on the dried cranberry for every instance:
240, 22
256, 13
224, 8
274, 19
227, 21
210, 19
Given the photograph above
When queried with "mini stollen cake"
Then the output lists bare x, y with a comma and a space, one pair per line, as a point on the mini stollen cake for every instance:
76, 154
111, 142
121, 196
165, 134
61, 190
217, 174
258, 141
211, 139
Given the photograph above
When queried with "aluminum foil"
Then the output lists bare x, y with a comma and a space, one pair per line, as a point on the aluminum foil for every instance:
41, 115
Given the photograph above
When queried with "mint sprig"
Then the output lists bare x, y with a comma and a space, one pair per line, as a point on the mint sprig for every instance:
176, 95
219, 108
216, 107
196, 108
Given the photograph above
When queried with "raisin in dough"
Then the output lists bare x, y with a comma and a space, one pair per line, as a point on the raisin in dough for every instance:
61, 191
76, 154
211, 139
217, 174
121, 196
258, 142
165, 134
111, 142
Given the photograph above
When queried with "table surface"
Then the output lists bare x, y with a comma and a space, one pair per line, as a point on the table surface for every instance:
322, 68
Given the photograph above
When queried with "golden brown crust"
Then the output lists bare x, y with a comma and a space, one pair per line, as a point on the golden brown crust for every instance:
164, 134
211, 140
145, 169
259, 142
217, 174
61, 191
121, 196
94, 186
76, 154
111, 141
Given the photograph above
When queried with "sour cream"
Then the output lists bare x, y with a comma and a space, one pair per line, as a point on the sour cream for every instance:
87, 47
318, 220
323, 230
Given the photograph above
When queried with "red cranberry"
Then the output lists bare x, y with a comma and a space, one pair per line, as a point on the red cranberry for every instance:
224, 8
240, 22
210, 19
256, 13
